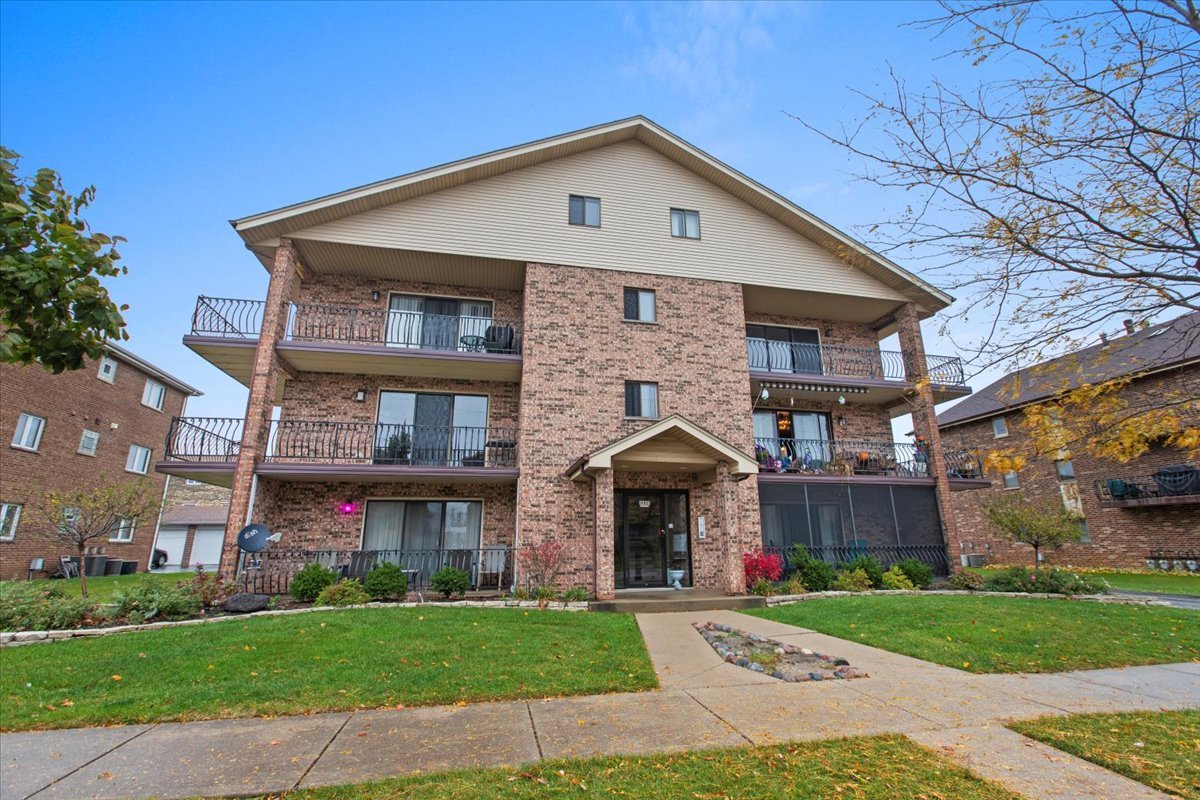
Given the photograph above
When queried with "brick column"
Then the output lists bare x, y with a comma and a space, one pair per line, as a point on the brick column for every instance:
605, 540
924, 415
264, 380
733, 575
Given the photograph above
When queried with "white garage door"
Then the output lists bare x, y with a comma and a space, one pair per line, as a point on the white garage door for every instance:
171, 539
206, 547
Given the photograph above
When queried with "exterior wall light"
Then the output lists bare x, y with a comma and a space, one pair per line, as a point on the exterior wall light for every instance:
841, 420
360, 396
375, 295
841, 399
347, 507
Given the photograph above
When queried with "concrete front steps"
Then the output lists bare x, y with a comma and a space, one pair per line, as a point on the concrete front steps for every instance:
663, 601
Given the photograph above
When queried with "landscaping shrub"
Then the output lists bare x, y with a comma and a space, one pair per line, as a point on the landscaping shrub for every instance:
39, 606
816, 574
310, 580
147, 600
792, 585
386, 582
544, 595
346, 592
763, 588
1051, 581
852, 580
451, 581
895, 578
966, 581
211, 588
870, 566
920, 573
520, 593
576, 594
760, 565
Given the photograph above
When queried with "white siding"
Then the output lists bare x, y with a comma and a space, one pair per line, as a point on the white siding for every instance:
522, 216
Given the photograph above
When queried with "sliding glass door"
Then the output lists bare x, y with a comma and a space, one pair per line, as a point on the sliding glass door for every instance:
436, 323
431, 429
802, 437
425, 535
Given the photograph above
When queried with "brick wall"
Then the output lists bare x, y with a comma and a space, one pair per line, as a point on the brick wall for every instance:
355, 291
71, 402
1120, 537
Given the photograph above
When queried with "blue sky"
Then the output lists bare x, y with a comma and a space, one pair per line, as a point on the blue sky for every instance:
185, 115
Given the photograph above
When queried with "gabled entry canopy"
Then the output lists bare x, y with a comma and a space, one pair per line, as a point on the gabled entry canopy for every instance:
673, 444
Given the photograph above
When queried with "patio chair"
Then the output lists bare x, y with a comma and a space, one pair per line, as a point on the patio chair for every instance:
361, 562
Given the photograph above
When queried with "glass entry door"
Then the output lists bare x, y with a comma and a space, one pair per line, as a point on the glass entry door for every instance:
652, 542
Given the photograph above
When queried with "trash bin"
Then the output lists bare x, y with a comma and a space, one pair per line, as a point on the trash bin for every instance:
1178, 479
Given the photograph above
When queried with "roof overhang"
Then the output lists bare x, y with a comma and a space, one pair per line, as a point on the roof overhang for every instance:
673, 444
260, 231
150, 369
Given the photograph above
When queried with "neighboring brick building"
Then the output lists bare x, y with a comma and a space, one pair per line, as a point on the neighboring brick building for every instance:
104, 422
1128, 514
606, 338
191, 528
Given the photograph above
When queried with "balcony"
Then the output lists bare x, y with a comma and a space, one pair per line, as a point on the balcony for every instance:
205, 448
327, 338
817, 371
1168, 486
865, 461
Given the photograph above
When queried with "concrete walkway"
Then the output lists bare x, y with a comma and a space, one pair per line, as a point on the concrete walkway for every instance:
1190, 602
703, 703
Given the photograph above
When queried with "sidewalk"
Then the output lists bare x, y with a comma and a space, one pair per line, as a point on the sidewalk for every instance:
703, 703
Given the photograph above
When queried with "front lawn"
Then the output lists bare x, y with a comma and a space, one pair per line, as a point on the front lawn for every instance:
102, 589
978, 633
876, 768
1159, 749
325, 661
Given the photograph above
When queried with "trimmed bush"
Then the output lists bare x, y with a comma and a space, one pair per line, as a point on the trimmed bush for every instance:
852, 580
816, 575
148, 600
869, 565
759, 566
1052, 581
39, 606
895, 578
310, 580
386, 582
346, 592
451, 581
920, 573
966, 581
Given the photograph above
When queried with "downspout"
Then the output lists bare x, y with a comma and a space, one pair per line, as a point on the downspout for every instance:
595, 538
516, 538
162, 503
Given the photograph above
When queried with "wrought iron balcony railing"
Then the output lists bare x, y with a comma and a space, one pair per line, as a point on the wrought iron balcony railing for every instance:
207, 439
272, 570
307, 322
845, 362
1181, 481
849, 457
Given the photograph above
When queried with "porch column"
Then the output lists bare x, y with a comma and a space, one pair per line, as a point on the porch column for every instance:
924, 415
605, 541
733, 575
264, 380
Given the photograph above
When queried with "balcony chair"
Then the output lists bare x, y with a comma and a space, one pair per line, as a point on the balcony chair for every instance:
499, 339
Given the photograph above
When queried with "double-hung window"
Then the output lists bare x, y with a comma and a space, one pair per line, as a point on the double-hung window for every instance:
138, 460
28, 435
124, 531
1012, 480
685, 224
88, 443
999, 427
639, 305
10, 515
641, 400
154, 394
108, 369
583, 211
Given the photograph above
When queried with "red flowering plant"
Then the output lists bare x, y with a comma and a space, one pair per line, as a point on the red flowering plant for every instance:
762, 566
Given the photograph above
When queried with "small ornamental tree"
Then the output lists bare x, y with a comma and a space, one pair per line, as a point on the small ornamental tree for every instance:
79, 518
541, 563
1038, 526
54, 310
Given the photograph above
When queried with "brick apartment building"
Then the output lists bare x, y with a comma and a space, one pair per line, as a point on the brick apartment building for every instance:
191, 528
103, 422
606, 338
1128, 511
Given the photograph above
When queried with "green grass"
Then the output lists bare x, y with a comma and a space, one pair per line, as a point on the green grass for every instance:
327, 661
1160, 749
875, 768
1004, 634
102, 589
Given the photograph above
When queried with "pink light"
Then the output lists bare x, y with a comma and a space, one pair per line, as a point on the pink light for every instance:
347, 507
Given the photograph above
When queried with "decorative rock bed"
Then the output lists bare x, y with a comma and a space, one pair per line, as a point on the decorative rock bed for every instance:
784, 662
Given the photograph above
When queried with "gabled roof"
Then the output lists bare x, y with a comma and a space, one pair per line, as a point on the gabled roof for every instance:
269, 225
1158, 347
675, 427
147, 367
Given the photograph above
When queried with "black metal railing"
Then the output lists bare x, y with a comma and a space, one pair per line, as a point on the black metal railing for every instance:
848, 457
847, 362
1176, 481
204, 439
945, 370
310, 322
271, 571
331, 442
932, 554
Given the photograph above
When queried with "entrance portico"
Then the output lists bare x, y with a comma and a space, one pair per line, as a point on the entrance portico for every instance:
666, 509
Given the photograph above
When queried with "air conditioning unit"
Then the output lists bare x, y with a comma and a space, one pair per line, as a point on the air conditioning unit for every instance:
974, 559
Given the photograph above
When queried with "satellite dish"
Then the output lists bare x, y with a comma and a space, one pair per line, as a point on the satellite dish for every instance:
254, 537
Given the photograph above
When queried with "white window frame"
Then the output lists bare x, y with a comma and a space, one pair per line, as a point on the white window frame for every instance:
1058, 469
684, 214
999, 427
586, 201
642, 386
1016, 480
20, 434
107, 361
641, 294
147, 396
192, 482
131, 464
119, 535
8, 527
70, 515
83, 440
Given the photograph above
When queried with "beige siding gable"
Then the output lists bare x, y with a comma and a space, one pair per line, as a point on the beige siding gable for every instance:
522, 216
